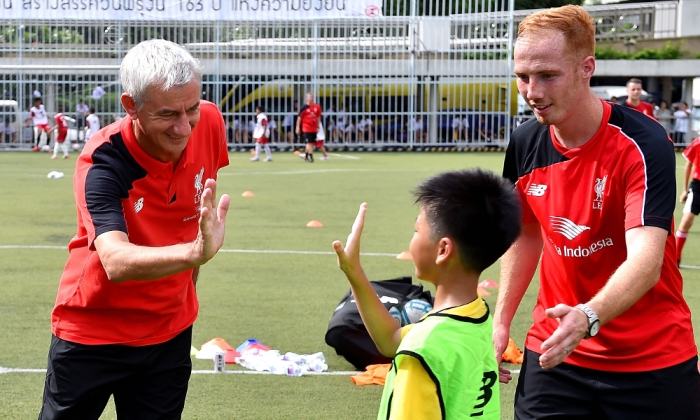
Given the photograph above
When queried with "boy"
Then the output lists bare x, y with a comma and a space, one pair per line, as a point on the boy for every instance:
93, 124
41, 122
61, 129
261, 134
444, 366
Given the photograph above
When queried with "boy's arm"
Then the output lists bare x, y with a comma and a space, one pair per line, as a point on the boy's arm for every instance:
382, 327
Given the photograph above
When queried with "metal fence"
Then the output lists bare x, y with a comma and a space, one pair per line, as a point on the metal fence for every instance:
406, 74
412, 73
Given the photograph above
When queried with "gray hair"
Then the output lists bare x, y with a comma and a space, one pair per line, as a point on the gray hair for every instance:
157, 63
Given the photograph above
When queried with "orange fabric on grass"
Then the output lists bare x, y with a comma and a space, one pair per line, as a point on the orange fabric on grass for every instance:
513, 354
374, 375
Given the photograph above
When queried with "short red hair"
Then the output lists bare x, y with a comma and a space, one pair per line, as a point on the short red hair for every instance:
572, 21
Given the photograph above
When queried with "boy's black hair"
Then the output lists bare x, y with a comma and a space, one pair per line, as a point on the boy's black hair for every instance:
260, 108
477, 209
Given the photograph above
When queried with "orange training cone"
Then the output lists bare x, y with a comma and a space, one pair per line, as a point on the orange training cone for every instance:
482, 292
488, 283
405, 255
314, 224
296, 152
247, 194
252, 152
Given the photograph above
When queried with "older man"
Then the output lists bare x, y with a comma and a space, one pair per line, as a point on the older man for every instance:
147, 219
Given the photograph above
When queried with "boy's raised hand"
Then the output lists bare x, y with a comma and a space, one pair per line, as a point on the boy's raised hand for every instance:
349, 256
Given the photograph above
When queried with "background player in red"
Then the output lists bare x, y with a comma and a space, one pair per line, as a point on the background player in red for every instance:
690, 195
261, 135
145, 193
61, 129
634, 98
612, 336
307, 125
41, 122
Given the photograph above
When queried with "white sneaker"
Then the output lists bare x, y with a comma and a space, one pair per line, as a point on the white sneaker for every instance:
53, 157
302, 155
254, 159
268, 159
324, 157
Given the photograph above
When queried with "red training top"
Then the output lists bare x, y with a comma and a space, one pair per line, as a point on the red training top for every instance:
692, 155
118, 186
643, 107
62, 127
310, 116
585, 199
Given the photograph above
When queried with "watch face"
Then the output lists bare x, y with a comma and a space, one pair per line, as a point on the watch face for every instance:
594, 328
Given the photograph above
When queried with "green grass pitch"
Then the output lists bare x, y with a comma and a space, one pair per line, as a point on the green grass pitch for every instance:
284, 300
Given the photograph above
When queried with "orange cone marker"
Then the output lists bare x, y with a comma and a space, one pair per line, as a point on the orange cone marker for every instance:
296, 152
488, 283
405, 255
314, 224
482, 292
247, 194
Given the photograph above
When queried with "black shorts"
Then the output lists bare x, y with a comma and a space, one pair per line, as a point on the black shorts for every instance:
148, 382
692, 203
309, 137
572, 392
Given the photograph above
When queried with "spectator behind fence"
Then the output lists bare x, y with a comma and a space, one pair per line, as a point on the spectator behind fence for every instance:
597, 184
7, 131
145, 191
81, 112
443, 366
680, 126
664, 115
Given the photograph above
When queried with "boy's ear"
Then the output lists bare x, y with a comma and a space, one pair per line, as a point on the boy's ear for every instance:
445, 251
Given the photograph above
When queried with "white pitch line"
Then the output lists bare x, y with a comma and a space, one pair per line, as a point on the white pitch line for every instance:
284, 251
318, 171
235, 251
212, 372
691, 267
345, 156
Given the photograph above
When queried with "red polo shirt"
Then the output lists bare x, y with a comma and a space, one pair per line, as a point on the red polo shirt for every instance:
118, 186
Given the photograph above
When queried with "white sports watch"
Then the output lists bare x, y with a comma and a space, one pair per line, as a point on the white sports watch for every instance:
593, 321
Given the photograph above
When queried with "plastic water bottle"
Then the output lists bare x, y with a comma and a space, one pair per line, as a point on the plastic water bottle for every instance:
317, 366
295, 370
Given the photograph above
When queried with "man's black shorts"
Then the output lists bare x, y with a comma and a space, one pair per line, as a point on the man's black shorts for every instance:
148, 382
309, 137
692, 203
571, 392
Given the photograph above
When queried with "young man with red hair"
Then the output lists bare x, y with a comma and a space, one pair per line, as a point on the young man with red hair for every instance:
612, 336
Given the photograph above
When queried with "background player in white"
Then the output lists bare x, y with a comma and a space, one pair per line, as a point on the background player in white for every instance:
93, 124
41, 121
261, 135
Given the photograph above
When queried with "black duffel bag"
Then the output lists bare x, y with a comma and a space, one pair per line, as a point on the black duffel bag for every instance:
346, 331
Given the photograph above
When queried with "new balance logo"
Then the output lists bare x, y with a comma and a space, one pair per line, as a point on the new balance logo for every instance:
138, 205
566, 227
537, 190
